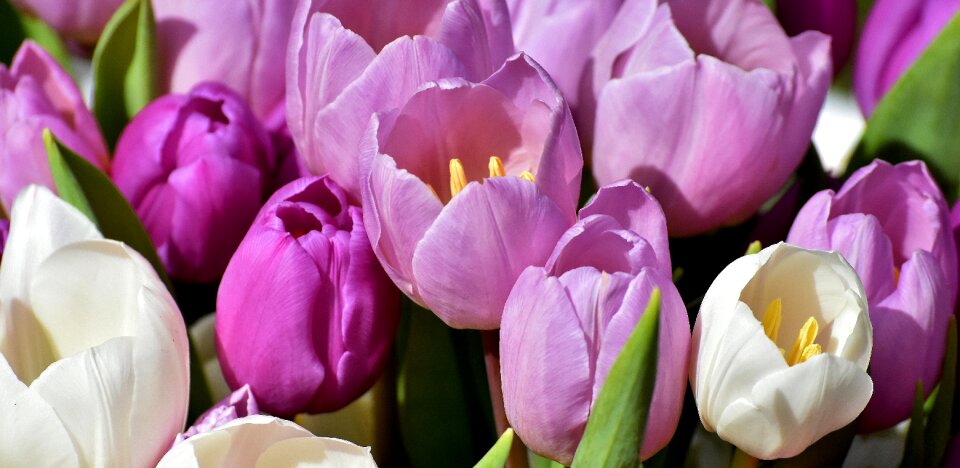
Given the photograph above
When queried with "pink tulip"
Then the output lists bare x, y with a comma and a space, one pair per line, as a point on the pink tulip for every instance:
35, 93
708, 103
79, 20
350, 59
452, 238
305, 314
895, 34
195, 168
564, 324
893, 225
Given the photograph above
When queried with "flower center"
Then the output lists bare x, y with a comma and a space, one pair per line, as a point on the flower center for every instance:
803, 347
458, 176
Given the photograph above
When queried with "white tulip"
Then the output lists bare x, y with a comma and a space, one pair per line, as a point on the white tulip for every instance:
780, 350
265, 441
93, 350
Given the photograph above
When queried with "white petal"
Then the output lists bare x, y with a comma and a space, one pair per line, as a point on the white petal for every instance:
31, 434
316, 452
236, 444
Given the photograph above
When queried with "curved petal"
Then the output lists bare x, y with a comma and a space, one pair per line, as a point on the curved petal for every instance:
478, 31
546, 387
503, 225
600, 242
235, 444
861, 240
319, 452
809, 228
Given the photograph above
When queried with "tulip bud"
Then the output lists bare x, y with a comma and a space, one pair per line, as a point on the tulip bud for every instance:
236, 405
780, 350
894, 35
35, 93
307, 264
565, 324
79, 20
893, 225
837, 18
195, 168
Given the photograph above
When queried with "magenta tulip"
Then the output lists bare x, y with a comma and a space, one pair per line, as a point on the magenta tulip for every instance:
837, 18
78, 20
378, 68
452, 238
236, 405
35, 93
893, 226
564, 324
894, 35
196, 168
305, 314
709, 104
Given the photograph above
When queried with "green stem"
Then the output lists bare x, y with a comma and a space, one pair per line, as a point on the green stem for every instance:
491, 357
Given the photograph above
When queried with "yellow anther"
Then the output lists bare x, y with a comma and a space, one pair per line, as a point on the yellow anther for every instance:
896, 275
809, 352
527, 175
647, 189
458, 178
496, 167
808, 333
772, 318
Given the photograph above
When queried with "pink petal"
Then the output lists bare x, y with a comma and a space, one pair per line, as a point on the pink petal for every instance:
478, 31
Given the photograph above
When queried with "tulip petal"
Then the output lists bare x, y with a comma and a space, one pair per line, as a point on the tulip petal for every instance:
810, 226
503, 225
599, 241
549, 413
861, 240
478, 31
319, 452
31, 432
237, 443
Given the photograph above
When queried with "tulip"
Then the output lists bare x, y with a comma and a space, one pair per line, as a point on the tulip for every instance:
564, 324
452, 238
35, 93
237, 44
837, 18
763, 376
378, 68
238, 404
560, 34
79, 20
894, 35
94, 368
307, 264
893, 225
4, 232
265, 441
195, 168
709, 104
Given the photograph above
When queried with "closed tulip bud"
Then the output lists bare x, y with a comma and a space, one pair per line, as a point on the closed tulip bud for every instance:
708, 103
564, 324
79, 20
258, 441
780, 350
895, 34
307, 264
196, 168
893, 225
35, 93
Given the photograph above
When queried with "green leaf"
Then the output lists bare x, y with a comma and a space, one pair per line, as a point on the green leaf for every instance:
614, 432
48, 38
754, 248
917, 119
937, 433
90, 191
497, 456
536, 461
11, 32
16, 26
913, 454
124, 67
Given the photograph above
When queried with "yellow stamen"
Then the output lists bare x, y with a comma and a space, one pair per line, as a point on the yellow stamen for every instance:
772, 318
496, 167
809, 352
527, 175
808, 333
458, 178
647, 189
896, 275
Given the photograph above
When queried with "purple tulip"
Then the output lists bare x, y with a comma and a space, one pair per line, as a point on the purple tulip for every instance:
378, 68
894, 35
79, 20
35, 93
452, 238
709, 104
837, 18
564, 324
240, 44
305, 314
236, 405
893, 226
195, 168
560, 34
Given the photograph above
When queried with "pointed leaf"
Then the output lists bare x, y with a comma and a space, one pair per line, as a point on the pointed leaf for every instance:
47, 37
614, 432
497, 456
124, 67
754, 247
67, 185
937, 433
917, 117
